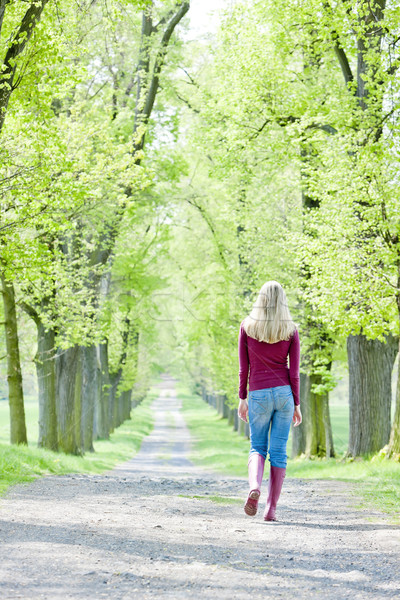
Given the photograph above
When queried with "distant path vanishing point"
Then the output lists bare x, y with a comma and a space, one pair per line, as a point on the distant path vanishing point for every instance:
159, 527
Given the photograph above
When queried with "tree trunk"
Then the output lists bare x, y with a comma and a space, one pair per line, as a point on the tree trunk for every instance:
241, 427
226, 408
117, 397
101, 422
111, 405
115, 379
126, 404
220, 404
236, 421
316, 437
78, 404
89, 390
105, 391
393, 449
66, 371
121, 408
299, 433
319, 441
326, 419
46, 376
394, 442
14, 373
370, 392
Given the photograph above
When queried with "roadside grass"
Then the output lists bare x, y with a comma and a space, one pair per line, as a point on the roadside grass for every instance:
20, 464
215, 499
218, 448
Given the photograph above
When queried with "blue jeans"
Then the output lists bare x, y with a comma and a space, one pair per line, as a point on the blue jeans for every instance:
270, 415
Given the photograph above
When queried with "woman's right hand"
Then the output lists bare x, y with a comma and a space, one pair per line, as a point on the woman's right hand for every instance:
297, 418
243, 410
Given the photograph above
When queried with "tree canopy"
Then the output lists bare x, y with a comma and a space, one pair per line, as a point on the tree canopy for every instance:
151, 184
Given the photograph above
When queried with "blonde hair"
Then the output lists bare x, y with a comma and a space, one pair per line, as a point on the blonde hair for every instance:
270, 320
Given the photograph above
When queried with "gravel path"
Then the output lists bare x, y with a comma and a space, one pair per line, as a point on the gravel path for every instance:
152, 528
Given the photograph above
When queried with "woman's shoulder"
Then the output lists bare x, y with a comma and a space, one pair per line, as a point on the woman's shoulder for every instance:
243, 329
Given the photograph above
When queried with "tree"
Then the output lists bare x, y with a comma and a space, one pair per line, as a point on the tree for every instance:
348, 118
74, 250
14, 377
246, 134
23, 27
352, 163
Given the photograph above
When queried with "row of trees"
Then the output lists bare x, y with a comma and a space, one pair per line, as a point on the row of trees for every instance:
290, 135
81, 217
151, 183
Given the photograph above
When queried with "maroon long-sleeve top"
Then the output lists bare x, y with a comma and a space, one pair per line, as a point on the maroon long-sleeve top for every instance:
268, 364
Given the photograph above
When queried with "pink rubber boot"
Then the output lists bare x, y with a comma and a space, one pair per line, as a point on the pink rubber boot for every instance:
276, 477
256, 471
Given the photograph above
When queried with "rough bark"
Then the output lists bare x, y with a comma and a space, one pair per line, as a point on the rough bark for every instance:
299, 433
243, 428
116, 395
319, 440
394, 441
370, 392
393, 449
120, 397
88, 394
68, 421
106, 388
115, 379
236, 421
102, 417
14, 373
46, 376
78, 404
126, 405
226, 409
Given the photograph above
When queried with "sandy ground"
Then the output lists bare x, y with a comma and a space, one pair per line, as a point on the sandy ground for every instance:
152, 528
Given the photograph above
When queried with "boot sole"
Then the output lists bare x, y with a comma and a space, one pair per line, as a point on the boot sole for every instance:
250, 508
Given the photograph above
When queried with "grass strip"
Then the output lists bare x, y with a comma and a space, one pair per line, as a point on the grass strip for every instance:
20, 464
217, 447
215, 499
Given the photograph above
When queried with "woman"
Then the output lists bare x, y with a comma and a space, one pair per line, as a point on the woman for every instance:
266, 338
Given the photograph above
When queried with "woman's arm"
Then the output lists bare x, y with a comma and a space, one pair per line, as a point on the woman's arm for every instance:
243, 363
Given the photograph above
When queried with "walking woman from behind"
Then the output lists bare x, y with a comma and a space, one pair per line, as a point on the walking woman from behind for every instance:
267, 337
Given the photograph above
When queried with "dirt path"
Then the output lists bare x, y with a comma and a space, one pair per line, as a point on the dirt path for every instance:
152, 529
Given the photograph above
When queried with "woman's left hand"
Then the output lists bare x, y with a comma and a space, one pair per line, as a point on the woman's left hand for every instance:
297, 418
243, 410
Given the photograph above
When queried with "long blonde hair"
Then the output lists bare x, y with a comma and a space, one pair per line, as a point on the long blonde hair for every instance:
270, 320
